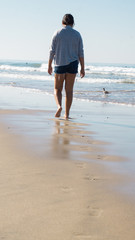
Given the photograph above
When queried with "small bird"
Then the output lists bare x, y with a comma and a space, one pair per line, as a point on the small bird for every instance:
105, 92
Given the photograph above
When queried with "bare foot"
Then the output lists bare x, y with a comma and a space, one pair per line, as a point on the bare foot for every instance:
66, 117
58, 113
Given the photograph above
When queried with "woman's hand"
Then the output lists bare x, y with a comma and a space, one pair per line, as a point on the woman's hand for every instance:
82, 72
50, 70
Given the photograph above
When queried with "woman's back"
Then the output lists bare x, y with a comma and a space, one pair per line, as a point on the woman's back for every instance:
68, 46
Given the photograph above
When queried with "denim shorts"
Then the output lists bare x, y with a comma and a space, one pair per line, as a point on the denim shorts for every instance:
70, 68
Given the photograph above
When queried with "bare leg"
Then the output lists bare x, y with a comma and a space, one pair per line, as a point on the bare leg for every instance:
69, 84
58, 86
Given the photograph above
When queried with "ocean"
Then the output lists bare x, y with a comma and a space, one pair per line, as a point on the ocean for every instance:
32, 77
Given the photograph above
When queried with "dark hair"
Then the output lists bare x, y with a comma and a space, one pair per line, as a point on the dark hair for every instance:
68, 19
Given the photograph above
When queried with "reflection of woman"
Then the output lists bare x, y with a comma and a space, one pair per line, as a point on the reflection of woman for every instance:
66, 51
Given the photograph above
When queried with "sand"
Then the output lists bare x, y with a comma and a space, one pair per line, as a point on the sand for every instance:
54, 185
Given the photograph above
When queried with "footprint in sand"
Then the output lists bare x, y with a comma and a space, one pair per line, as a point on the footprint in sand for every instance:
81, 165
66, 189
90, 178
88, 237
81, 237
95, 212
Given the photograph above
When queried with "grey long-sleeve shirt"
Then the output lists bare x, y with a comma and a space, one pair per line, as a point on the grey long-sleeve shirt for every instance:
66, 46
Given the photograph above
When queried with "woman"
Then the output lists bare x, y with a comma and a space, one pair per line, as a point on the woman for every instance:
67, 51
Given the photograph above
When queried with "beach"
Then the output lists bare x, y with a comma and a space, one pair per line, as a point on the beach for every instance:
56, 182
65, 179
67, 175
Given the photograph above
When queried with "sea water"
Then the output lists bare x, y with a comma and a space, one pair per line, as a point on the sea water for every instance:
117, 79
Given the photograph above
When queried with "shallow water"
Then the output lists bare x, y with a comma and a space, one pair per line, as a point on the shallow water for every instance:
118, 79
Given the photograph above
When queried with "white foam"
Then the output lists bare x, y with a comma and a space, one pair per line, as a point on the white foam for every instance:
104, 80
25, 76
78, 79
129, 71
43, 68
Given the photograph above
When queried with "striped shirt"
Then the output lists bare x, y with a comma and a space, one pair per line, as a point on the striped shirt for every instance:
66, 46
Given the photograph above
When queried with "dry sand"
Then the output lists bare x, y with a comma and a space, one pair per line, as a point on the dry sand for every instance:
58, 194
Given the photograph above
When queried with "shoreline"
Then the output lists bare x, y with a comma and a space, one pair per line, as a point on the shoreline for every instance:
111, 123
49, 189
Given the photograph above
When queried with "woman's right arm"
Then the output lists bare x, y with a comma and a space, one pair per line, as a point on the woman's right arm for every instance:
51, 54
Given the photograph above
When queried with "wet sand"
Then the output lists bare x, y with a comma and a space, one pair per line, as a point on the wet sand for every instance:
54, 184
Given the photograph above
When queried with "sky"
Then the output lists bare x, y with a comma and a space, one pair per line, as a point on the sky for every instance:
106, 26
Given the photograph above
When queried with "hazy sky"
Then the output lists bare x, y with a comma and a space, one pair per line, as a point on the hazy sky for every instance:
106, 26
